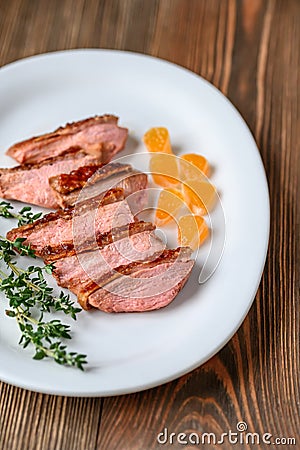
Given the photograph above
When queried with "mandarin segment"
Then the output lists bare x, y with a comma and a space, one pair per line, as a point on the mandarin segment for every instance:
157, 139
192, 231
193, 166
164, 169
170, 202
188, 171
200, 196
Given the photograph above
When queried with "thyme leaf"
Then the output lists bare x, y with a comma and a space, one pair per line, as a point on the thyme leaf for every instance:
30, 296
24, 216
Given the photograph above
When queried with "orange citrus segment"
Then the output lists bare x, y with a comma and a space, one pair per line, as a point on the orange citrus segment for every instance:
200, 196
158, 140
164, 169
170, 202
192, 231
193, 166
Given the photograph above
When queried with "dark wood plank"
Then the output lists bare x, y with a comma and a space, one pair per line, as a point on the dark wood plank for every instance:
248, 49
237, 51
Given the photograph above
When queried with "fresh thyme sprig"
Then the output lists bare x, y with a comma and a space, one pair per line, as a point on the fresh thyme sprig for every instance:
25, 216
28, 291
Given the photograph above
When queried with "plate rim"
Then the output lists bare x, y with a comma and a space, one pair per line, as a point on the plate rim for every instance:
214, 351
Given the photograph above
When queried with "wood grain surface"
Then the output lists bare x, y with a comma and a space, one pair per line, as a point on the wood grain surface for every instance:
250, 51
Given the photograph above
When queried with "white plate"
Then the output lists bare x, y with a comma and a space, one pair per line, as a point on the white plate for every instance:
132, 352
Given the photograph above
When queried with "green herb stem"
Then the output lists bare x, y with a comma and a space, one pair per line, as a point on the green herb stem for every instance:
24, 217
28, 291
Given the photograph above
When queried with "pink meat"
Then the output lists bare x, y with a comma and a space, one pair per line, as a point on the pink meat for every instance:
148, 289
93, 265
59, 228
88, 181
29, 183
100, 135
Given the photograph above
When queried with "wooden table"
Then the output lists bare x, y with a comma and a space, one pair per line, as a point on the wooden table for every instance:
250, 51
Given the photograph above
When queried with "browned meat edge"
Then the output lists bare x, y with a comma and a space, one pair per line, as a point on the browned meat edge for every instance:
74, 127
66, 183
69, 128
75, 151
166, 256
51, 253
67, 188
111, 196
